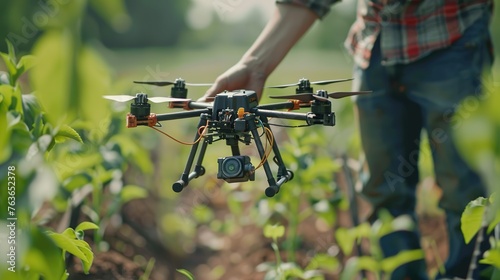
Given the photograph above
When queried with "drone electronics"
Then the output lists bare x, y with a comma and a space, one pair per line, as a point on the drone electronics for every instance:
236, 117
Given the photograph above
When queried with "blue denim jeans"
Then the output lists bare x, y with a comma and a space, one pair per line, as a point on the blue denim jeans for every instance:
406, 99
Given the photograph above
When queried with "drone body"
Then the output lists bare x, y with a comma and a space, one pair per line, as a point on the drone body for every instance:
235, 117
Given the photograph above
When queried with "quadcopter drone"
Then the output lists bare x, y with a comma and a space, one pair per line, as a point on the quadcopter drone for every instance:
236, 117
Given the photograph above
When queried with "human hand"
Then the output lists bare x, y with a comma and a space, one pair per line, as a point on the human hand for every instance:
239, 76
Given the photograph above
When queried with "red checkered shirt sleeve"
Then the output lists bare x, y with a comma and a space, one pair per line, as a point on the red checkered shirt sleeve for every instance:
319, 7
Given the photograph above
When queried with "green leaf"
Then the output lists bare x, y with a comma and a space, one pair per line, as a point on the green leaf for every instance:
323, 261
68, 244
86, 226
492, 257
202, 214
68, 132
368, 263
355, 264
131, 192
472, 218
94, 80
54, 52
12, 51
25, 63
390, 264
7, 92
70, 233
186, 273
42, 255
77, 181
31, 109
274, 231
345, 240
89, 258
71, 164
11, 67
291, 270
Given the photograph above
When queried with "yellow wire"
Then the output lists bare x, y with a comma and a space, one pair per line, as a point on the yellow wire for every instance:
267, 152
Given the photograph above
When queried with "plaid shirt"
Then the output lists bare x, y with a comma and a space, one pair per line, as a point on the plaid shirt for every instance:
411, 28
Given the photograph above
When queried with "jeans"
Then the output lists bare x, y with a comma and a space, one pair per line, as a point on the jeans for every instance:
406, 99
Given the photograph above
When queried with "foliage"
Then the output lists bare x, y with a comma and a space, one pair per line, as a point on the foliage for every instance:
71, 241
376, 262
186, 273
479, 142
306, 155
116, 23
62, 152
290, 270
479, 213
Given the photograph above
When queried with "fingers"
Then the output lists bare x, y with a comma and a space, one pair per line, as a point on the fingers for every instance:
215, 89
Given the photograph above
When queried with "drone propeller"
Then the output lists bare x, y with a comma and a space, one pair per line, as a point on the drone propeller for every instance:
307, 97
125, 98
326, 82
169, 83
119, 98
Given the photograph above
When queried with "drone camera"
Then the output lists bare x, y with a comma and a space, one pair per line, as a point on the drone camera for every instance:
236, 169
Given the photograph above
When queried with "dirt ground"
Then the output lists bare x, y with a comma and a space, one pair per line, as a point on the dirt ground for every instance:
236, 256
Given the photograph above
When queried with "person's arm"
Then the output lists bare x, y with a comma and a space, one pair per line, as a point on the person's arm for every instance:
287, 25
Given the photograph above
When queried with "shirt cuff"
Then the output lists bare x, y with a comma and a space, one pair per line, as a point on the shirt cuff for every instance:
319, 7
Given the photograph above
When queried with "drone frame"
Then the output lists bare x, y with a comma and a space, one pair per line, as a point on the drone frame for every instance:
235, 117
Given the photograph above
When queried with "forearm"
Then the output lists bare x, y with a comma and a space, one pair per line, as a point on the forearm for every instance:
287, 25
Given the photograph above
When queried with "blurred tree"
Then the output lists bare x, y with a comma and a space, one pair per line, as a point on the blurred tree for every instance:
16, 25
151, 23
137, 24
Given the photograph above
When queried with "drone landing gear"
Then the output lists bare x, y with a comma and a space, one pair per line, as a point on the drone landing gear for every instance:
236, 162
199, 170
284, 175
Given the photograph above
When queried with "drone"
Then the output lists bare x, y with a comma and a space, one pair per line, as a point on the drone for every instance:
235, 117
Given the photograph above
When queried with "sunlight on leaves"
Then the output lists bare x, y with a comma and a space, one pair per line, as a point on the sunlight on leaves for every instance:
54, 51
131, 192
391, 263
274, 231
186, 273
472, 218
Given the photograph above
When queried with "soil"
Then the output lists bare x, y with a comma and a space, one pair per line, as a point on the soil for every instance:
135, 241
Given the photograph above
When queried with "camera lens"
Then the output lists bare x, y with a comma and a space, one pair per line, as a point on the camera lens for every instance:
231, 167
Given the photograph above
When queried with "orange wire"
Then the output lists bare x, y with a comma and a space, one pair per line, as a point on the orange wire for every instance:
202, 133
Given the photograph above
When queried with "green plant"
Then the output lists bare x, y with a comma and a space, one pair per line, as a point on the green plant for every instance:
478, 138
60, 159
27, 140
186, 273
290, 270
382, 267
312, 190
71, 241
479, 215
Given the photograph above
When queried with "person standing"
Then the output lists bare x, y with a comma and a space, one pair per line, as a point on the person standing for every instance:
420, 59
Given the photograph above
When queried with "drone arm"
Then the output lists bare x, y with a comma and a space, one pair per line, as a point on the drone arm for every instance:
285, 115
290, 105
181, 115
198, 105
